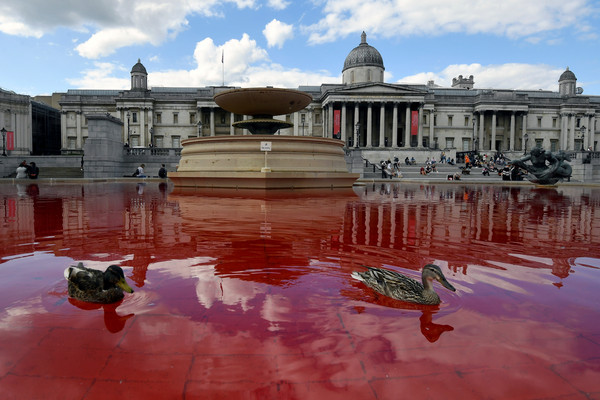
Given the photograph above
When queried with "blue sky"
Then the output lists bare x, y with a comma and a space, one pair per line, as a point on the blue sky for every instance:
54, 45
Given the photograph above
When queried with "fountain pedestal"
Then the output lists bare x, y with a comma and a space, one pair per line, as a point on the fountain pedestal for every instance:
238, 162
242, 162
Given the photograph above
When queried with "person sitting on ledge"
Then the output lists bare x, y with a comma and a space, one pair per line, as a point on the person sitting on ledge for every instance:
34, 171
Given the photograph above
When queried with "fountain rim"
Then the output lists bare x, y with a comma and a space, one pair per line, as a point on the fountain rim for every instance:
290, 101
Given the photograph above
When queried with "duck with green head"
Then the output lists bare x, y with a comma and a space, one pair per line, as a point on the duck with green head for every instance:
401, 287
95, 286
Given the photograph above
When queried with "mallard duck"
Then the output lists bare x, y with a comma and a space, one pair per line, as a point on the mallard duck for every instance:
95, 286
401, 287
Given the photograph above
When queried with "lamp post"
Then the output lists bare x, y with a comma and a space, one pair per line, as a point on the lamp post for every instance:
151, 136
199, 128
582, 129
357, 130
3, 141
128, 129
525, 137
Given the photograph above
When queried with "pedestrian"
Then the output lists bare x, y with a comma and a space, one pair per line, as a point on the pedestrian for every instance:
162, 172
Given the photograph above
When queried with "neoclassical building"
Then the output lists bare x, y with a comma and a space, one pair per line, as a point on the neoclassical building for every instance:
363, 111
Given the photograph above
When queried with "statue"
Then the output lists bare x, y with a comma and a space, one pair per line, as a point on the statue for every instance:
546, 168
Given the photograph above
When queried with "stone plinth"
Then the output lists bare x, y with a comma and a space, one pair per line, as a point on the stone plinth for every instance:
104, 148
238, 162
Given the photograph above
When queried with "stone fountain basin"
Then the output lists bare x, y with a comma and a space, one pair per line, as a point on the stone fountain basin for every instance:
262, 101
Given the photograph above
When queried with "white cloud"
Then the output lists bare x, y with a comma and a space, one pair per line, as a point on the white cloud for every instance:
278, 4
503, 76
386, 18
114, 23
102, 76
277, 33
245, 64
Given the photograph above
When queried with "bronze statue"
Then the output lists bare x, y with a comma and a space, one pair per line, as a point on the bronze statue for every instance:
546, 168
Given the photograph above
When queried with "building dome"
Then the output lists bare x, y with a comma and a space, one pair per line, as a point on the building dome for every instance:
363, 55
139, 68
139, 77
567, 76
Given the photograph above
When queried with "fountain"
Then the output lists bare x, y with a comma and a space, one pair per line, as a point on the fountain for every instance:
262, 160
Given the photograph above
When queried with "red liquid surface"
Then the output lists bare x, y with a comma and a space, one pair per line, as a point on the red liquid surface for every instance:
242, 294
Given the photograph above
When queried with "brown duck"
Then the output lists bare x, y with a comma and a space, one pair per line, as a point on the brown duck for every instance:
401, 287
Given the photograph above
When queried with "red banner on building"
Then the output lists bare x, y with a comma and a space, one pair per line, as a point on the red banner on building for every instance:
336, 124
10, 140
414, 123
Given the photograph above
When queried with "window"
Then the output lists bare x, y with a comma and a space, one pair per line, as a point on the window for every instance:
539, 142
554, 122
449, 143
192, 118
466, 144
159, 141
176, 141
369, 75
467, 119
318, 118
553, 145
135, 141
158, 118
450, 120
434, 119
424, 119
539, 125
175, 118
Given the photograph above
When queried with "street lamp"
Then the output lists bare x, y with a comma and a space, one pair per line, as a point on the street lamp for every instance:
525, 137
151, 136
199, 128
357, 130
3, 141
582, 129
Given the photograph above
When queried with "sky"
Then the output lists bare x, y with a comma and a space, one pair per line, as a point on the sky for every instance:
54, 45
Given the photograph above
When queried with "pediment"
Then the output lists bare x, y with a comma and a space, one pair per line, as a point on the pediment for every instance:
378, 89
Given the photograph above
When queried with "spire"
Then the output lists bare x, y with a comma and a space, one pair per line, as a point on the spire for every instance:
363, 38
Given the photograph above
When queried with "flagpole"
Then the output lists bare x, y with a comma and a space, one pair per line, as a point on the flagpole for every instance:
223, 65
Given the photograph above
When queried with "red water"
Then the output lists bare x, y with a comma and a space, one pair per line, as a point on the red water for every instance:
248, 295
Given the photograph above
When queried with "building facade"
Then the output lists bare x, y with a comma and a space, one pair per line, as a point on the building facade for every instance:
363, 111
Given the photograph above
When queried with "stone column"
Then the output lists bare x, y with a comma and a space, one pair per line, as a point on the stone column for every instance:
571, 145
511, 145
79, 134
382, 125
524, 130
591, 132
343, 123
475, 135
493, 141
142, 128
369, 125
63, 129
212, 122
356, 121
151, 125
296, 121
407, 127
481, 129
231, 121
420, 127
431, 129
563, 131
395, 126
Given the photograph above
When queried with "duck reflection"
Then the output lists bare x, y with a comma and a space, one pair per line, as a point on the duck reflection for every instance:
112, 320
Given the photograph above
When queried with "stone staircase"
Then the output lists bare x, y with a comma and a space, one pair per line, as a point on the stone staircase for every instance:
61, 172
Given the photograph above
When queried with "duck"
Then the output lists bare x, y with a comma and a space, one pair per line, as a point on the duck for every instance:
401, 287
93, 286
